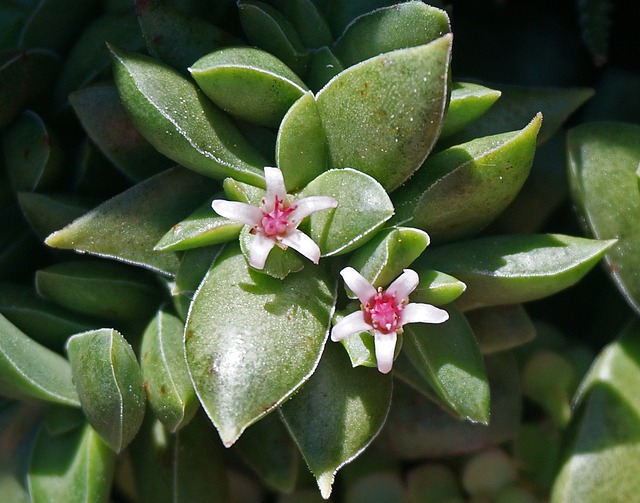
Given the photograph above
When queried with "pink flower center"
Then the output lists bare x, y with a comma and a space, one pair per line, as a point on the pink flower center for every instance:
275, 222
382, 312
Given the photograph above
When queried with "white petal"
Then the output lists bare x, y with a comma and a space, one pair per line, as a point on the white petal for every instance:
275, 187
351, 324
422, 313
404, 285
385, 349
240, 212
358, 284
260, 248
308, 205
302, 243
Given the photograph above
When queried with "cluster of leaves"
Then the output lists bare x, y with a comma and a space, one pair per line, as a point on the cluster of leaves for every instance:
110, 363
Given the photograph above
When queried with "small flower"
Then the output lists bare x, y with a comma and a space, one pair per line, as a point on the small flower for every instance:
276, 220
384, 313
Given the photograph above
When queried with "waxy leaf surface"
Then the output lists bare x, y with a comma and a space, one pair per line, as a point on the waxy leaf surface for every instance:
109, 383
252, 340
437, 288
337, 414
383, 115
468, 102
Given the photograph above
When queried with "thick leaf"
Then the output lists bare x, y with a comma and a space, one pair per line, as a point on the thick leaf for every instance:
31, 155
603, 163
383, 116
360, 347
105, 121
448, 357
337, 414
279, 263
499, 328
74, 467
437, 288
109, 383
462, 189
363, 207
399, 26
305, 17
511, 269
301, 148
263, 343
180, 122
604, 435
164, 370
128, 226
468, 102
31, 371
248, 83
99, 288
324, 65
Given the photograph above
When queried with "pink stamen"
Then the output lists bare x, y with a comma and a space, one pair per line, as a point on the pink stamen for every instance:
276, 221
382, 312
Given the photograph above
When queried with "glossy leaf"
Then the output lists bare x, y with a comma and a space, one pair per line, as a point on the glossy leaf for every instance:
448, 357
603, 441
462, 189
337, 414
99, 288
180, 122
194, 265
105, 121
437, 288
603, 163
279, 263
360, 347
499, 328
248, 83
74, 467
31, 371
166, 378
383, 116
128, 226
363, 207
468, 102
301, 148
267, 332
109, 383
510, 269
387, 29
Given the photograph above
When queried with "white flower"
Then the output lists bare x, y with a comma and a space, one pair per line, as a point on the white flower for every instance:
276, 220
384, 313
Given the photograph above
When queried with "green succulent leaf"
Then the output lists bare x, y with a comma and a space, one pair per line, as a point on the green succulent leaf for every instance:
75, 466
194, 265
383, 115
337, 414
248, 83
109, 383
301, 148
166, 378
448, 357
499, 328
128, 226
468, 102
363, 207
279, 263
462, 189
387, 29
30, 371
510, 269
323, 66
603, 438
603, 164
180, 122
307, 20
265, 331
437, 288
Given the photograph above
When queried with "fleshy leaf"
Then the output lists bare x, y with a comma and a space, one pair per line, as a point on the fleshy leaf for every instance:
128, 226
383, 115
248, 83
510, 269
603, 163
448, 356
109, 383
437, 288
468, 102
164, 370
499, 328
363, 207
307, 20
387, 29
74, 467
31, 371
180, 122
462, 189
267, 332
337, 414
279, 262
324, 65
603, 441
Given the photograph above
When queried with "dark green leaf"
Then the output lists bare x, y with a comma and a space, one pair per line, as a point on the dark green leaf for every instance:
305, 17
499, 328
468, 102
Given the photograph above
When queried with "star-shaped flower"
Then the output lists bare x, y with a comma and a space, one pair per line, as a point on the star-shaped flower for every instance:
276, 220
384, 313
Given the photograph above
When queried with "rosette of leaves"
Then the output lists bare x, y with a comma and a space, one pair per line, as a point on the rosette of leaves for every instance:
355, 102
